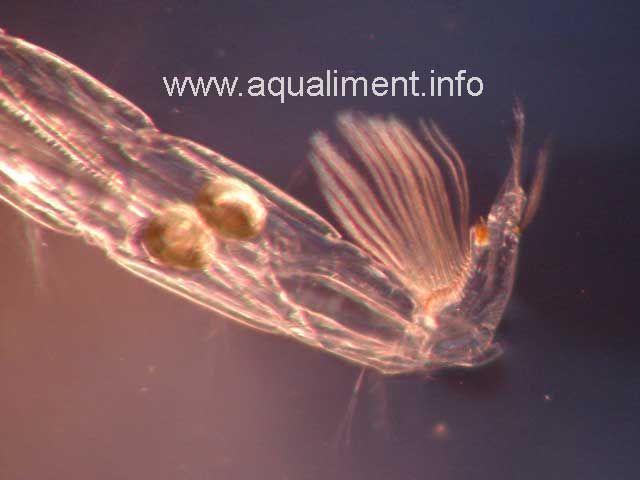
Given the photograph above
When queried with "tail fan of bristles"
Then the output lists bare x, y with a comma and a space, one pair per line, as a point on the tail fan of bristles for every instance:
401, 209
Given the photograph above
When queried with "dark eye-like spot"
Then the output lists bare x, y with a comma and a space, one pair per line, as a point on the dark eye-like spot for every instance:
481, 233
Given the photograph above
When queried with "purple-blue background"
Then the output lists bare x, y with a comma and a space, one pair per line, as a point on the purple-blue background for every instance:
105, 376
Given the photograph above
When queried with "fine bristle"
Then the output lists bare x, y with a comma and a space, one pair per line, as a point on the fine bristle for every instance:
401, 211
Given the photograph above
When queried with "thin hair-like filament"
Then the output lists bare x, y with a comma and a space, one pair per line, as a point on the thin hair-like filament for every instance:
400, 209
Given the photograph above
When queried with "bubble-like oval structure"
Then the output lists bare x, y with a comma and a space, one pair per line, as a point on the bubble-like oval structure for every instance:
178, 237
231, 208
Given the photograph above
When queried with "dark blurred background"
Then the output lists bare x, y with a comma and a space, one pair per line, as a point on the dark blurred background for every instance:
105, 376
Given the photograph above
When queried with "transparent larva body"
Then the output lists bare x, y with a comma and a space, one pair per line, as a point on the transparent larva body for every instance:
415, 289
